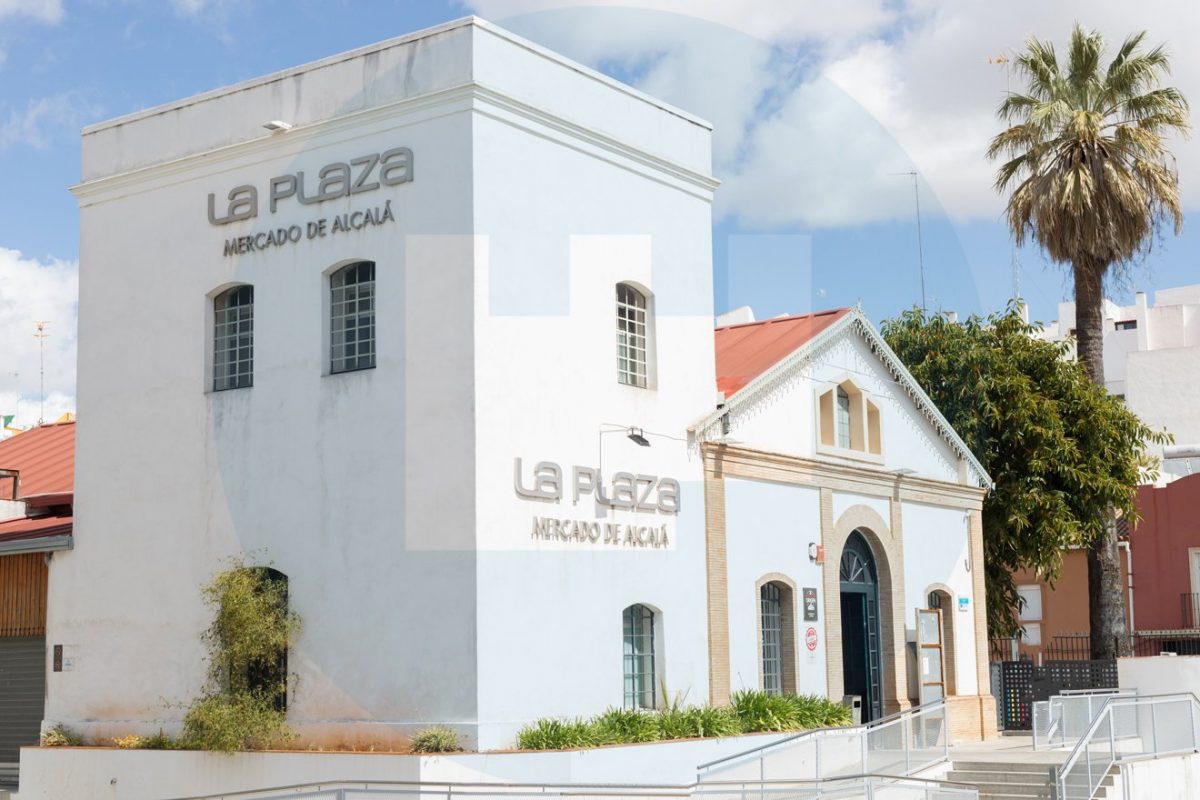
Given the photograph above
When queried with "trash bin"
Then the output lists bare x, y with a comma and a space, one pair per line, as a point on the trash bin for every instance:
854, 703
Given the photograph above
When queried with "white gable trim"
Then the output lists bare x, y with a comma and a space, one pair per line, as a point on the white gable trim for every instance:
750, 396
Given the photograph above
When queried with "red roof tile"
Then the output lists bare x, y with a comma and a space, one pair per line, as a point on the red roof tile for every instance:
45, 457
746, 351
35, 527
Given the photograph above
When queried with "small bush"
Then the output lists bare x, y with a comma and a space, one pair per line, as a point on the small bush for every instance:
234, 722
435, 739
697, 722
624, 725
557, 734
61, 736
159, 741
759, 711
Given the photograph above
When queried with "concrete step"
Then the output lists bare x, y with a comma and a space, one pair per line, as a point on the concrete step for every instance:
1028, 767
997, 776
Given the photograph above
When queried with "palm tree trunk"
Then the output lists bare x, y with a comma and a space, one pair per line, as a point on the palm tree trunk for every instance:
1106, 600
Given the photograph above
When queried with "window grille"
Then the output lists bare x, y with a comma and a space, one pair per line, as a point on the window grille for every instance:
772, 638
352, 317
639, 658
233, 339
631, 336
843, 418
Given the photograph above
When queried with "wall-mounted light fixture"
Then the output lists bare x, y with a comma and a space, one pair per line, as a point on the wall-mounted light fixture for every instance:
638, 437
277, 126
816, 553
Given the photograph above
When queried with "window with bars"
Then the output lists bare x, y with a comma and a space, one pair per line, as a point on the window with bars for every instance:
233, 339
843, 418
352, 317
639, 658
631, 336
772, 638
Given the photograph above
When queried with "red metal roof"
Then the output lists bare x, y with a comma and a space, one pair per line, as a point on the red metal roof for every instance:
35, 527
45, 457
746, 351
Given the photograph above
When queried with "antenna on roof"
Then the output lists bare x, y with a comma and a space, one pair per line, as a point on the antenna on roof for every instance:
920, 245
41, 337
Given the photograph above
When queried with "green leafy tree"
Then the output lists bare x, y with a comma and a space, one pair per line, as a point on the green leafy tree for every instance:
1061, 450
1089, 178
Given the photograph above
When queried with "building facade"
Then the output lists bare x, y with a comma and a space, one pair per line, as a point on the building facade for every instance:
1152, 361
373, 302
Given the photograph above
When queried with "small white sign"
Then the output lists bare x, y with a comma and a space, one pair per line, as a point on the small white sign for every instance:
964, 604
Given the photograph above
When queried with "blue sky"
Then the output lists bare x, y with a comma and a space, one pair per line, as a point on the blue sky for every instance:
820, 109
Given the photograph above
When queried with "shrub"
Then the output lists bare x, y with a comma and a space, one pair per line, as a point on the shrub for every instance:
557, 734
158, 741
624, 725
227, 723
759, 711
61, 736
697, 722
435, 739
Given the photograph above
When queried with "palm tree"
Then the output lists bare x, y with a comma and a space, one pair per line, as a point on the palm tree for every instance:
1090, 179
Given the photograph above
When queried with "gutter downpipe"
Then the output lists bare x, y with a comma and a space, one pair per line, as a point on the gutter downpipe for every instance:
1129, 580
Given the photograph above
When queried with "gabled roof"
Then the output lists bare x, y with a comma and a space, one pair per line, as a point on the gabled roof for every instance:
748, 350
754, 358
45, 457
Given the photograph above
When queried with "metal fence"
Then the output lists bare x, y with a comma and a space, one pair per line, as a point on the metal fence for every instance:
1061, 720
857, 787
1128, 727
1078, 646
900, 744
1022, 683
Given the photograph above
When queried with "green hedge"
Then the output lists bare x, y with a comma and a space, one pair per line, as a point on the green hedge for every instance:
749, 712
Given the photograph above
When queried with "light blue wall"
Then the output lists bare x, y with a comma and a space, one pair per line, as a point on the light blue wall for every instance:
768, 527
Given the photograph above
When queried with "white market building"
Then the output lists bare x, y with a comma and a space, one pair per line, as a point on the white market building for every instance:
374, 348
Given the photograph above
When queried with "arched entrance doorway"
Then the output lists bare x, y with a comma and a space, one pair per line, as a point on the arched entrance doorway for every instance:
860, 625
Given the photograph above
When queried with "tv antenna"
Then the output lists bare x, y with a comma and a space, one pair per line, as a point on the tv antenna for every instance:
920, 245
41, 337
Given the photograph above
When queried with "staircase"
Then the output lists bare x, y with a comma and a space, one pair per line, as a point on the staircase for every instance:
1012, 780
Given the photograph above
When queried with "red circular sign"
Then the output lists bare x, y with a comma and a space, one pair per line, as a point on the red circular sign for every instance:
810, 638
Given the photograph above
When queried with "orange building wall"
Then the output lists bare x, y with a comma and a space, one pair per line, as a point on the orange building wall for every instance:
1065, 605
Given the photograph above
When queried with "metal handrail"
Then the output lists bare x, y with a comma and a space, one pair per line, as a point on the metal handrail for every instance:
1097, 769
904, 719
484, 789
1053, 722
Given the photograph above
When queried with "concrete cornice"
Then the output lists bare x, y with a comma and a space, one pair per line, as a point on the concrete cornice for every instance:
42, 544
472, 96
386, 44
745, 462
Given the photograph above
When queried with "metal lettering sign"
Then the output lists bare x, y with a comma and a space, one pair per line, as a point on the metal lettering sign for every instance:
810, 604
339, 179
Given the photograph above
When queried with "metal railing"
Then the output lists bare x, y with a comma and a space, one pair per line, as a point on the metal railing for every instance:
1127, 727
900, 744
855, 787
1061, 720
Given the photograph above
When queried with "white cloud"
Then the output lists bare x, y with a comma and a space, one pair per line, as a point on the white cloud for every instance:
45, 118
31, 291
815, 103
50, 11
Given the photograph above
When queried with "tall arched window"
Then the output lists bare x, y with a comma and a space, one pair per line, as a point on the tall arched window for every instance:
352, 317
777, 637
640, 689
233, 338
632, 363
772, 638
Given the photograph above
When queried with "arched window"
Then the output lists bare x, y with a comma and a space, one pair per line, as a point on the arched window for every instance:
233, 338
267, 675
849, 421
640, 680
777, 636
352, 317
632, 362
843, 418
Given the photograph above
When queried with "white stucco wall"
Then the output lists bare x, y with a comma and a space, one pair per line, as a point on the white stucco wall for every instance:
768, 527
937, 554
786, 422
387, 495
